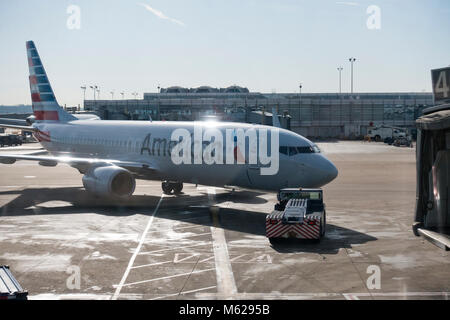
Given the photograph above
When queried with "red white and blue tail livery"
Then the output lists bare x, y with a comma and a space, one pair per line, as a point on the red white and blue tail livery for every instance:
45, 106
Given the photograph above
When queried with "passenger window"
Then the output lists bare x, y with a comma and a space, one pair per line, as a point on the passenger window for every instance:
284, 150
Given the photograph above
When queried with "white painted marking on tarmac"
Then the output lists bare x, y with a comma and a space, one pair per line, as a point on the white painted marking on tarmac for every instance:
170, 223
151, 264
168, 277
403, 294
183, 292
177, 258
226, 284
349, 296
138, 248
174, 248
176, 229
199, 234
72, 296
238, 257
29, 177
269, 296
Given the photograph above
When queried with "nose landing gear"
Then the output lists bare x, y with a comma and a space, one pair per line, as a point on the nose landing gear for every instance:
168, 187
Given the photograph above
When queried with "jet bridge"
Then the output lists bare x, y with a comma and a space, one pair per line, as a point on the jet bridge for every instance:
432, 216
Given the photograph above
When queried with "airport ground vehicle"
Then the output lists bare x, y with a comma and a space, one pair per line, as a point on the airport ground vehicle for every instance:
10, 140
10, 289
4, 140
299, 213
383, 132
432, 218
402, 142
15, 139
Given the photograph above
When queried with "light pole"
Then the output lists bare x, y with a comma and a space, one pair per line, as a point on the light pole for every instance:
300, 96
84, 93
135, 95
94, 88
112, 95
300, 86
122, 93
340, 70
351, 61
98, 92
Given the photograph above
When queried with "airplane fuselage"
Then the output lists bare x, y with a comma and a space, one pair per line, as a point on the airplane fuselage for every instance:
150, 142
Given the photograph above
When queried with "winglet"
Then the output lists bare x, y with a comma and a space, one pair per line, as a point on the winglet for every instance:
275, 120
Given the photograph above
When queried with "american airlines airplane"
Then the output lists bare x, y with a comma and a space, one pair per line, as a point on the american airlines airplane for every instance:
111, 155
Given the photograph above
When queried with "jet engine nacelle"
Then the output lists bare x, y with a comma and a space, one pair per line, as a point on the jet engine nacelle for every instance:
109, 181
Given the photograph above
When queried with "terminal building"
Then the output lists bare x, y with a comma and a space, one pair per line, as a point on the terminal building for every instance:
314, 115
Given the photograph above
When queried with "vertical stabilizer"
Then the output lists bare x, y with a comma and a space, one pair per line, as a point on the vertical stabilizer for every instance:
45, 107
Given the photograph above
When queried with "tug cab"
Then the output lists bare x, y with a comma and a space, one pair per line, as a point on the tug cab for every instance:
299, 213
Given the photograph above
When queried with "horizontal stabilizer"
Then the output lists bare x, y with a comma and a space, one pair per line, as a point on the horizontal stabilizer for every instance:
24, 128
15, 122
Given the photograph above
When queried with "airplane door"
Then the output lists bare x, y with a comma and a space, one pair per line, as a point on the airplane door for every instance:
256, 179
268, 182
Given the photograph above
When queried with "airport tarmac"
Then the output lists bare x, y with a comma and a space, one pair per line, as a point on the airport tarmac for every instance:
209, 243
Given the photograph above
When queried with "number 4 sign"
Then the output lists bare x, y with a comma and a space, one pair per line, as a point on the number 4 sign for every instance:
441, 84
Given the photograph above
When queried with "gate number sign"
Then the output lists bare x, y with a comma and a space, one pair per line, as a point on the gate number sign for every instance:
441, 84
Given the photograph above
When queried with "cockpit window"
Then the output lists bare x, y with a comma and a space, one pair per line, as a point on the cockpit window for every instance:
305, 150
316, 149
292, 151
284, 150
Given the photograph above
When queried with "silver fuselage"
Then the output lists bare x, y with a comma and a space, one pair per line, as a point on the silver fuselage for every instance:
129, 141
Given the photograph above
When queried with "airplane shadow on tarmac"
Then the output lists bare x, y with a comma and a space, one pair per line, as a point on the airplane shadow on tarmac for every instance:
77, 200
73, 200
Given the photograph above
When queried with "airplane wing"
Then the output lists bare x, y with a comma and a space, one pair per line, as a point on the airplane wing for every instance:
25, 128
79, 162
16, 122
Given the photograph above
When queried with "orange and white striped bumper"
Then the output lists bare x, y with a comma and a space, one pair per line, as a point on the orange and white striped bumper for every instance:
309, 229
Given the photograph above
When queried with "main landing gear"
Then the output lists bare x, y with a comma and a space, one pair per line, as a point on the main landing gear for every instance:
168, 187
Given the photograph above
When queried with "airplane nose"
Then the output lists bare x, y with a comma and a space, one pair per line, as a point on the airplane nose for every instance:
331, 171
328, 171
317, 171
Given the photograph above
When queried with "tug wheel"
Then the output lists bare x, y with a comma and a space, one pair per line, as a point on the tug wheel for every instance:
323, 224
274, 241
177, 187
167, 187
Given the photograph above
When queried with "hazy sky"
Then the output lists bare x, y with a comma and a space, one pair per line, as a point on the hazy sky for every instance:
264, 45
